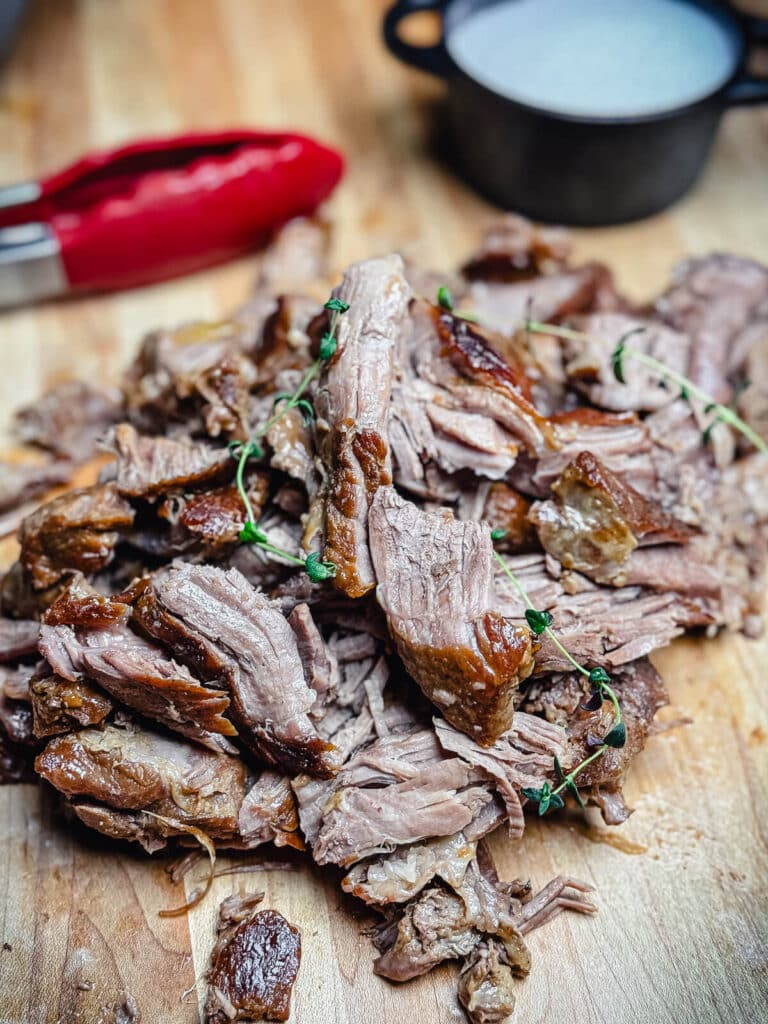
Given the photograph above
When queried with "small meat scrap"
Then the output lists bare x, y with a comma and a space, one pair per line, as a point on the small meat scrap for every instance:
254, 963
352, 406
69, 420
597, 520
436, 586
77, 531
148, 466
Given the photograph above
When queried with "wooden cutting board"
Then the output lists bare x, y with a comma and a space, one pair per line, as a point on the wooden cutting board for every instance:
681, 937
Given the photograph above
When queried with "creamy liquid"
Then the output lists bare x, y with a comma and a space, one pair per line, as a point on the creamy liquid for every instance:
597, 58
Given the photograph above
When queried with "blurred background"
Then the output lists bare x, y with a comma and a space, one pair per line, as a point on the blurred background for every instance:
82, 74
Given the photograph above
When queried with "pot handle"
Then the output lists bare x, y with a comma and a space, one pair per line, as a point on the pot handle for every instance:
747, 89
434, 59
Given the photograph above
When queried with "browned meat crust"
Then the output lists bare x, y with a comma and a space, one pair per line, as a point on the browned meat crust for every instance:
597, 520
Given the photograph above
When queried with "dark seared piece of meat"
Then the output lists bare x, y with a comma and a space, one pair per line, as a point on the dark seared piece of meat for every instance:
460, 357
352, 405
214, 619
61, 705
18, 638
87, 635
69, 420
254, 963
77, 531
139, 771
503, 508
641, 693
435, 583
208, 522
514, 249
597, 520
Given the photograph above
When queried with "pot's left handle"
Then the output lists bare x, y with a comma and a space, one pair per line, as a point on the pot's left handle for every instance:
435, 58
745, 88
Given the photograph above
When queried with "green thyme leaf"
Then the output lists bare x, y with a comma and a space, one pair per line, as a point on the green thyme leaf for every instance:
685, 393
617, 363
559, 769
556, 802
534, 795
328, 345
537, 621
498, 534
251, 534
573, 789
706, 436
617, 737
281, 396
306, 410
334, 305
444, 298
710, 407
317, 569
599, 677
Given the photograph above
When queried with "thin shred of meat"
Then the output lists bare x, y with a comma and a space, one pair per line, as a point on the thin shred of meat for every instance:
352, 406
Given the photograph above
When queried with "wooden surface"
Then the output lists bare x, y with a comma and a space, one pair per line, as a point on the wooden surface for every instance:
683, 887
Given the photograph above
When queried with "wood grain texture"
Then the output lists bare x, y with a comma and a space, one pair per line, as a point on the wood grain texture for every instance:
683, 887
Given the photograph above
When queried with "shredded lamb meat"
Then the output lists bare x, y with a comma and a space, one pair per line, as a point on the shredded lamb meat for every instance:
174, 683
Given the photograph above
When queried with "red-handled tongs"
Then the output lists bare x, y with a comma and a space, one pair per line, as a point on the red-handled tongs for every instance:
155, 208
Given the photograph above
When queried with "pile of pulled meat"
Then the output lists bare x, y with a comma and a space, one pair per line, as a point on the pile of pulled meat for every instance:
165, 677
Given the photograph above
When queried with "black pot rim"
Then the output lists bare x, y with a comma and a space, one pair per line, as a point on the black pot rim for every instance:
735, 23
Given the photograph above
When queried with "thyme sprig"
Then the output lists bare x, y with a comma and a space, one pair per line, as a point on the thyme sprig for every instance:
688, 390
251, 533
540, 622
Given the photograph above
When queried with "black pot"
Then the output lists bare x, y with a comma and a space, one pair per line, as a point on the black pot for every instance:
569, 169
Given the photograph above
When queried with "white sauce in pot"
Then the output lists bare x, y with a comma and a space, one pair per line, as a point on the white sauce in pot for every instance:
597, 58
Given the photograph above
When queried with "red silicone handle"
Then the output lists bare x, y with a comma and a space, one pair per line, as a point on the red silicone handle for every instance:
157, 208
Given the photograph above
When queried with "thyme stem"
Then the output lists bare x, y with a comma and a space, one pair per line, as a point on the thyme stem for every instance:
251, 533
722, 412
